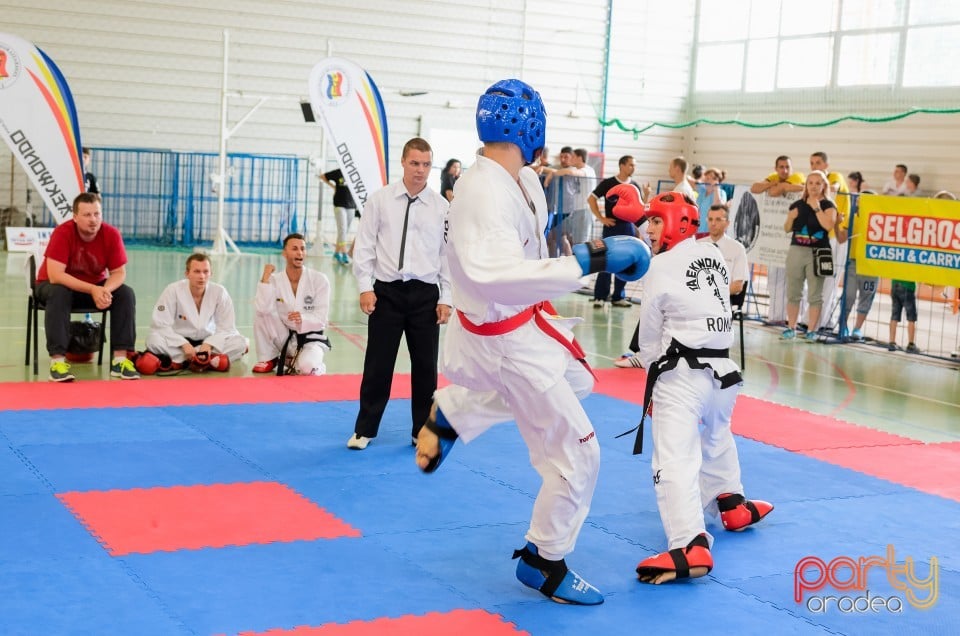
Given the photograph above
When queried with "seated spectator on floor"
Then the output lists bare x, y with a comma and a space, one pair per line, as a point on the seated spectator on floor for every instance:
193, 325
292, 309
85, 268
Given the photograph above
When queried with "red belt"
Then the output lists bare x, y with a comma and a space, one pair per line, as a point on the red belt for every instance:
514, 322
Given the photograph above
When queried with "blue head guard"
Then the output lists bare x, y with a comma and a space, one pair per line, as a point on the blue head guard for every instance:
512, 111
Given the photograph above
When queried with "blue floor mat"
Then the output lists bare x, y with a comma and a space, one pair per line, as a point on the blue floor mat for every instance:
430, 542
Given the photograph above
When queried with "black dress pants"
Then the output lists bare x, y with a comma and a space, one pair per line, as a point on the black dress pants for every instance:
403, 309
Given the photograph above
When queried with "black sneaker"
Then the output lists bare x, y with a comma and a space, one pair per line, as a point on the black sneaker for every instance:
60, 371
912, 348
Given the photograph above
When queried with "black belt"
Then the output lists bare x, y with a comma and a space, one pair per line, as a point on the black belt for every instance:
667, 362
401, 283
302, 339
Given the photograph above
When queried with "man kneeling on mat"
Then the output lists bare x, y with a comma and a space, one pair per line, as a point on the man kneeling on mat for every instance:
507, 354
684, 336
292, 311
193, 325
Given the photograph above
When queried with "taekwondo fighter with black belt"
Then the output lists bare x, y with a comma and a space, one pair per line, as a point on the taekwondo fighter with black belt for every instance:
684, 335
507, 354
292, 309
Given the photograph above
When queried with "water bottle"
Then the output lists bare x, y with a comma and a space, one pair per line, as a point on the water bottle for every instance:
88, 318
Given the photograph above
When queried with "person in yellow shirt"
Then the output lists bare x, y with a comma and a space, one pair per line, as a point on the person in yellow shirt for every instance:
839, 193
782, 180
779, 182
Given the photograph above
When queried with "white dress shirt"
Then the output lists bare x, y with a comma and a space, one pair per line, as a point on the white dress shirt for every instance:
376, 253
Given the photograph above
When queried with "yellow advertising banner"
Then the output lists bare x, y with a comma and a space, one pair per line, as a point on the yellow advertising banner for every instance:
907, 238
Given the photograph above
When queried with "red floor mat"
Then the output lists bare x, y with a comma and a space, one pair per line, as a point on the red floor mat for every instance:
189, 391
930, 468
144, 520
623, 384
796, 430
781, 426
455, 623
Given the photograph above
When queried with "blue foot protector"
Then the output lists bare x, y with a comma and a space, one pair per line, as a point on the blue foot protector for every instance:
553, 579
440, 427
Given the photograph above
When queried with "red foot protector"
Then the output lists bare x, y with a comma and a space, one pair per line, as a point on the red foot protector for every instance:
476, 622
144, 520
678, 561
738, 512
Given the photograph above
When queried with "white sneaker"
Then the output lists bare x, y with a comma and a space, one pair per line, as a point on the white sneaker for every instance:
357, 442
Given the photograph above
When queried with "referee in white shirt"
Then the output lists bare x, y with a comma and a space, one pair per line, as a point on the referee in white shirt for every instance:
404, 283
734, 253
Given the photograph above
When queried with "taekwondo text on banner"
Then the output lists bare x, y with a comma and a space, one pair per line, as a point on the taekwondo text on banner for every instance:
909, 238
344, 97
38, 120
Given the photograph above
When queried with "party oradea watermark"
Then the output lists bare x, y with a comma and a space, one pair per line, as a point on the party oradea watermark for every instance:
852, 579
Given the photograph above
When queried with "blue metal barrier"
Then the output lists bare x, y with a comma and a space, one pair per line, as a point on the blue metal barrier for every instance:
168, 198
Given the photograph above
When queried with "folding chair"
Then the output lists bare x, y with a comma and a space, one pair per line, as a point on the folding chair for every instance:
35, 306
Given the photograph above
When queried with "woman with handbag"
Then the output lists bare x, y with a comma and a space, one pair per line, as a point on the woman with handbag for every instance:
809, 221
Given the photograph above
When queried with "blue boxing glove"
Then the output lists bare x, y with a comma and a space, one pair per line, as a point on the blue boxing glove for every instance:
626, 256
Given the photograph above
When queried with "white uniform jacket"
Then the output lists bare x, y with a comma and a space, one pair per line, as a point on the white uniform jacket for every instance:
312, 300
498, 267
176, 318
686, 297
735, 256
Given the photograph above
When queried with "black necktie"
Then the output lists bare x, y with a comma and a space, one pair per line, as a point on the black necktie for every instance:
406, 220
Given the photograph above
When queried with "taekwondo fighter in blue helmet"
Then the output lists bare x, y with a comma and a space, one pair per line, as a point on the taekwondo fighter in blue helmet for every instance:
507, 354
684, 335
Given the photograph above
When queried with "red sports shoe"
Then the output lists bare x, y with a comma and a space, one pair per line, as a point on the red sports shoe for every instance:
265, 367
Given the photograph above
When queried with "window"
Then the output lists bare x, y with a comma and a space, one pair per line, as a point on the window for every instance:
759, 46
869, 59
933, 56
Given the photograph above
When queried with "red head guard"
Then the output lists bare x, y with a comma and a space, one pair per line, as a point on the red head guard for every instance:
628, 207
679, 215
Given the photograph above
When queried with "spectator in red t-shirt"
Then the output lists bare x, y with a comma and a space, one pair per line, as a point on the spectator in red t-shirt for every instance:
84, 268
